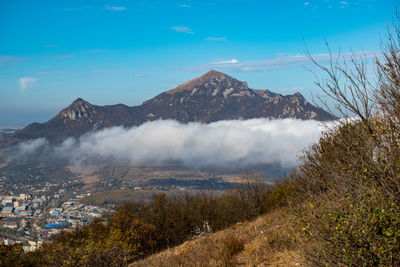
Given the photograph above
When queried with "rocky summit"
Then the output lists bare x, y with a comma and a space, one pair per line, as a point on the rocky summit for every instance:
211, 97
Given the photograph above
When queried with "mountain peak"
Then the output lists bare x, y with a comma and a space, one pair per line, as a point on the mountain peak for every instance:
210, 76
298, 94
80, 108
79, 101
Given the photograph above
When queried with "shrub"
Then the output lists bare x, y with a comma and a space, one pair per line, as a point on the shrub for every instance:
10, 255
350, 216
353, 233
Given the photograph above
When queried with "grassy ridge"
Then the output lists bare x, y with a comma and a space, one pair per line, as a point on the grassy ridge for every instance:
269, 240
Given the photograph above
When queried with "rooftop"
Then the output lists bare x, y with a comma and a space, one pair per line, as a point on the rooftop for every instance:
8, 208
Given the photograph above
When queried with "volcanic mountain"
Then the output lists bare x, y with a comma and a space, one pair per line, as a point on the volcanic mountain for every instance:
211, 97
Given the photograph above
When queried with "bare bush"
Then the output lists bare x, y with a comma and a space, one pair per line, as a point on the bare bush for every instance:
351, 178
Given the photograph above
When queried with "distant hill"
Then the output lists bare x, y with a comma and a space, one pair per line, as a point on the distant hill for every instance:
211, 97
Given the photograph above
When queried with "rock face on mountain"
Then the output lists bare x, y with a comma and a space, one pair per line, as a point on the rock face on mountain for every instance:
211, 97
217, 96
77, 119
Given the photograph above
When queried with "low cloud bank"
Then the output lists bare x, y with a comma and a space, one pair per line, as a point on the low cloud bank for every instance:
223, 143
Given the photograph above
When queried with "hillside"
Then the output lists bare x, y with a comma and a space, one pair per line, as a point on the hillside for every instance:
267, 241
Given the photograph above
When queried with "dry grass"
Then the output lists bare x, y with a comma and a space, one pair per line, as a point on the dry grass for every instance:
267, 241
87, 174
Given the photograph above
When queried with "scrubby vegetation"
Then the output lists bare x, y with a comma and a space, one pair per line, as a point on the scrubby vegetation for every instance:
344, 199
137, 230
269, 240
351, 178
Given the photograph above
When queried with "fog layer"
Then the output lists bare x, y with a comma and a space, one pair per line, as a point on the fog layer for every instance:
223, 143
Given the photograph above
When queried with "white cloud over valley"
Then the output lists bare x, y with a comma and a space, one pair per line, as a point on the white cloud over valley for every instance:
32, 146
223, 143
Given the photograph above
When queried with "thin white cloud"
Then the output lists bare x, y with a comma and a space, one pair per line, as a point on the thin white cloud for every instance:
216, 38
185, 6
5, 60
279, 62
115, 8
223, 143
65, 56
344, 2
107, 70
72, 9
291, 90
307, 3
25, 82
32, 146
232, 61
95, 50
182, 29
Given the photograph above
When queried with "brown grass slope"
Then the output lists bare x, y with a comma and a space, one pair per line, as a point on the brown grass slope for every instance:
269, 240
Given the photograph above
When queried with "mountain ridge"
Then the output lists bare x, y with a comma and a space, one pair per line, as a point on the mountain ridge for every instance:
211, 97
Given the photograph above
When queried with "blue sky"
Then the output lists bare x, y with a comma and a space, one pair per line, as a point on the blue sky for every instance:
127, 51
